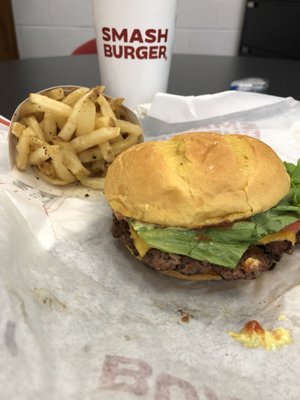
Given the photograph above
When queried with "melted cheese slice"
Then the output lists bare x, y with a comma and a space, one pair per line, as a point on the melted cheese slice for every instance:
139, 243
278, 236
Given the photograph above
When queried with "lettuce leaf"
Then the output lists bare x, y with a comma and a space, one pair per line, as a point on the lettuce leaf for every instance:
205, 244
225, 245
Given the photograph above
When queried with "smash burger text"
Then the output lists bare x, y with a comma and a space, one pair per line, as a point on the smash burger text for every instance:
124, 43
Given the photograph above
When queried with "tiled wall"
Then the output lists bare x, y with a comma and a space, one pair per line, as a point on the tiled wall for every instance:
57, 27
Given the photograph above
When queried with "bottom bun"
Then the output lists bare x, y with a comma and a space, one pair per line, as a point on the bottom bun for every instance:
198, 277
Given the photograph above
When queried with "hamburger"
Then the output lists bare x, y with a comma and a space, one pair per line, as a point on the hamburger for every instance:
203, 206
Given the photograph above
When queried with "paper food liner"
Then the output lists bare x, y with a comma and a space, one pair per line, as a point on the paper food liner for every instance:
82, 319
29, 178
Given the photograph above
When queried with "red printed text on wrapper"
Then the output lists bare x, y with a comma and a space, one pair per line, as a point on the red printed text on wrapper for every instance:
136, 378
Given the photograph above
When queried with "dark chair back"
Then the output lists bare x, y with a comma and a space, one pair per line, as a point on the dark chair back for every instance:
271, 29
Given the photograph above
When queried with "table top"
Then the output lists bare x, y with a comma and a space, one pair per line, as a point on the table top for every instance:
189, 75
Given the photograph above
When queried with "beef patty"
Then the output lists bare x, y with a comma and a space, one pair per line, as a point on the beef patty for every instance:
254, 261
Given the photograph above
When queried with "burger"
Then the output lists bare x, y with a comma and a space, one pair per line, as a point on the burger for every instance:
205, 206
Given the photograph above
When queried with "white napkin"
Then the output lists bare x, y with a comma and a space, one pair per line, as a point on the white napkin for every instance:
177, 109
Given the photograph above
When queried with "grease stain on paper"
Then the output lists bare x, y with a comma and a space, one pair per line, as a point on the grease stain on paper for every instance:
185, 315
45, 297
86, 348
10, 338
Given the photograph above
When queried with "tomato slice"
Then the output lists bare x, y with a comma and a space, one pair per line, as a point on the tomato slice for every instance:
294, 227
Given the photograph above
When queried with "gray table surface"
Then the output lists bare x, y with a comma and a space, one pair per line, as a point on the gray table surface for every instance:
189, 75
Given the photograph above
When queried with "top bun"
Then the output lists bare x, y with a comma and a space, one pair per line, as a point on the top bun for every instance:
195, 180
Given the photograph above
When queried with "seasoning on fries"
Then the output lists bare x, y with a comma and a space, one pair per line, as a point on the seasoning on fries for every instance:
72, 136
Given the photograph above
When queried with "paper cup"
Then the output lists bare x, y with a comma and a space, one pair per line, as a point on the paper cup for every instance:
134, 41
29, 178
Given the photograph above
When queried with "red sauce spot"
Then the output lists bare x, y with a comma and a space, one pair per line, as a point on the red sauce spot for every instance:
253, 327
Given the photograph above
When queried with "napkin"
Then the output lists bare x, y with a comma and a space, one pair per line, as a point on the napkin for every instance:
175, 109
81, 319
275, 120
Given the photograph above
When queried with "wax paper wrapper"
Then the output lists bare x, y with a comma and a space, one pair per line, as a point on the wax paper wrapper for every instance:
81, 319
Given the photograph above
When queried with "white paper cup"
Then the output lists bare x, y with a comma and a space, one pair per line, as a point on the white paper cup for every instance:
134, 41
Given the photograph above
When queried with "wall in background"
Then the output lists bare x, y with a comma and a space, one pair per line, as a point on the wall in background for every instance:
57, 27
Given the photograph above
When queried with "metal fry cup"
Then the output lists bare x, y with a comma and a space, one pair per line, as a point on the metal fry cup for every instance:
30, 178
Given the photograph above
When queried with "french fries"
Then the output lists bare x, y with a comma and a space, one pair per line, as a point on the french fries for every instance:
72, 135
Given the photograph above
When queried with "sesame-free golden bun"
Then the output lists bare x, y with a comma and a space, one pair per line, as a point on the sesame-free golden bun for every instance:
196, 179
